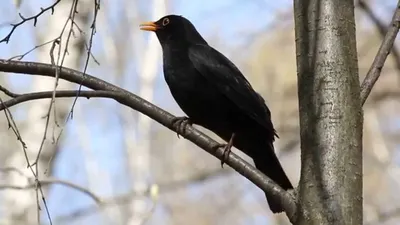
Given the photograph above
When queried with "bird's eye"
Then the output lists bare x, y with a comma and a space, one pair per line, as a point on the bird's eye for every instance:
165, 22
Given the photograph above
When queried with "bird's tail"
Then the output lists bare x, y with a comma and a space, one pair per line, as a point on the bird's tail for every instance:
269, 164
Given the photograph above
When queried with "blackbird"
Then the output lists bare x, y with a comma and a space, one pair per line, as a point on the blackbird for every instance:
214, 94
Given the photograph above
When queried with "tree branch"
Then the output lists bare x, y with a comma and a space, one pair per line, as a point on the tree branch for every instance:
47, 181
380, 58
34, 18
381, 27
20, 98
50, 181
159, 115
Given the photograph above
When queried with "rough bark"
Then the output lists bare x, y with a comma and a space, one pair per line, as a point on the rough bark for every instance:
330, 189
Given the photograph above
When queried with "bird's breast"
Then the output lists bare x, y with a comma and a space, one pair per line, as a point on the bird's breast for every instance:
178, 69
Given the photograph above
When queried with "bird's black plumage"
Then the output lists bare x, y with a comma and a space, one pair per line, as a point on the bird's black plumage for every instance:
214, 94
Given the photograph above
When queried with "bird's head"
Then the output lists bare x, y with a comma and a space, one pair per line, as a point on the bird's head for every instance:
174, 29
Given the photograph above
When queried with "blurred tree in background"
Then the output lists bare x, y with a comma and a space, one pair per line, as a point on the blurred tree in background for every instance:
103, 163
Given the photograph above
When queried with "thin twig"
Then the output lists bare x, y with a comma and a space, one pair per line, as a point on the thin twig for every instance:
380, 58
21, 56
89, 51
55, 41
34, 18
13, 126
50, 181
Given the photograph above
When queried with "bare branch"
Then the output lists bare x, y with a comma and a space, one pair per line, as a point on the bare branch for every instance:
380, 58
21, 56
162, 117
58, 51
89, 51
34, 18
8, 92
381, 27
20, 98
49, 181
14, 128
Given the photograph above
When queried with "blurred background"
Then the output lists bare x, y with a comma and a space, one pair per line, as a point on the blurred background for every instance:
138, 171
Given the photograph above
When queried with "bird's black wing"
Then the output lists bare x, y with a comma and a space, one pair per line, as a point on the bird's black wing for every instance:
221, 72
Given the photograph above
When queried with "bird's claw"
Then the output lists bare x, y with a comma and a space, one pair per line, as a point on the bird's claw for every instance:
180, 124
227, 150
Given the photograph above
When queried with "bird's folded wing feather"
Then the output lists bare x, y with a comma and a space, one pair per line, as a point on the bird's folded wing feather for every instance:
221, 72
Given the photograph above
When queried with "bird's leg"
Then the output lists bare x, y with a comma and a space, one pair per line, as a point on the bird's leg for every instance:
180, 123
227, 149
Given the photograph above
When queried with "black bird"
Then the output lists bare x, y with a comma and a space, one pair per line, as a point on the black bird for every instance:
214, 94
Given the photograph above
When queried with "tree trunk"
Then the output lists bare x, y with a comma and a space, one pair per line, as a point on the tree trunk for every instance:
330, 189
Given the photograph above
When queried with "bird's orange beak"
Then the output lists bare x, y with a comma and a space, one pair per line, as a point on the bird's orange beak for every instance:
149, 26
